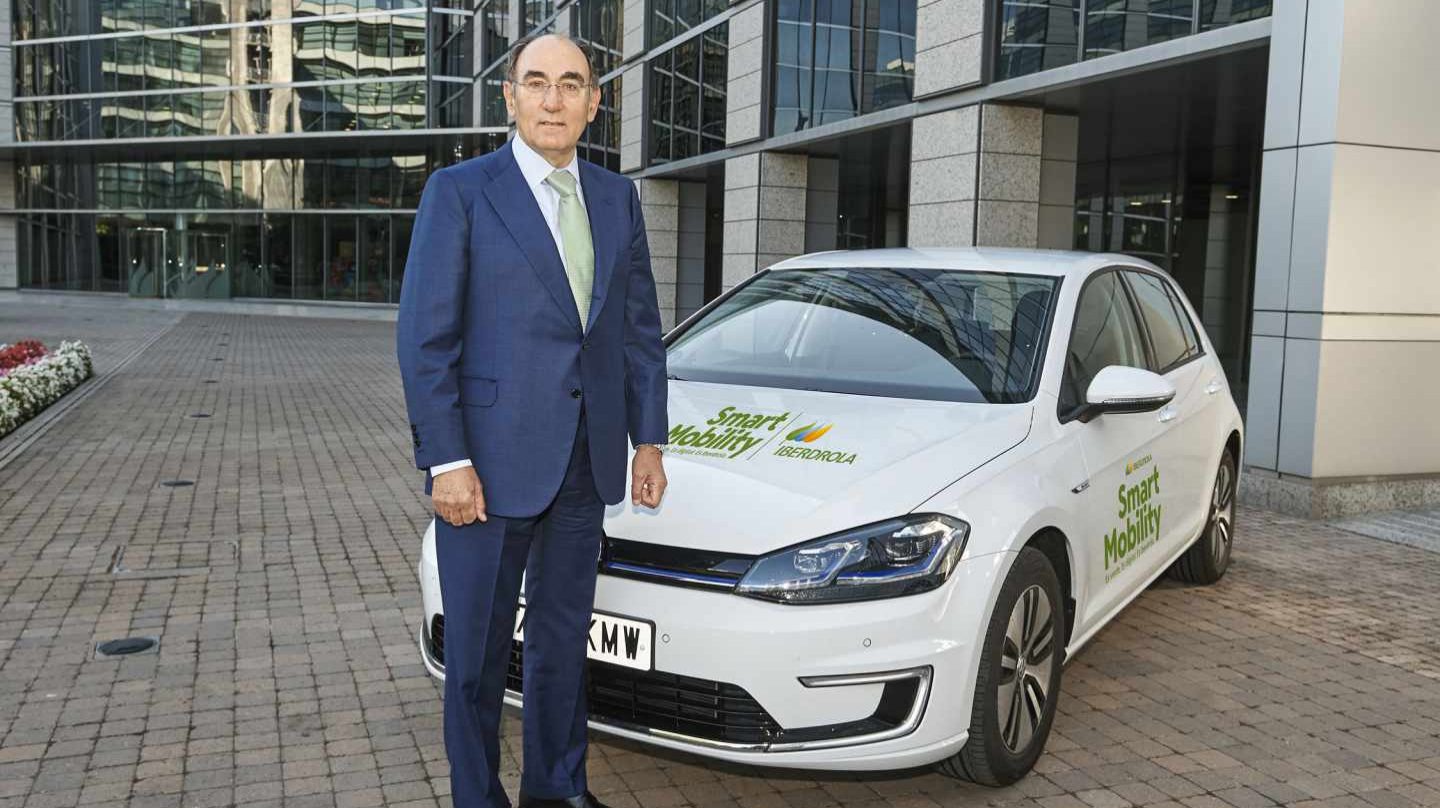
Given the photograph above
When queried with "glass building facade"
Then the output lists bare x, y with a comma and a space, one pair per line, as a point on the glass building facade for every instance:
277, 148
1035, 35
836, 59
226, 149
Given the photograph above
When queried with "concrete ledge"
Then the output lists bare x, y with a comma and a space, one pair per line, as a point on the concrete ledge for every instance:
335, 309
1336, 498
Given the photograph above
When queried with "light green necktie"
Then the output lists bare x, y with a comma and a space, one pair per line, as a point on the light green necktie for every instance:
575, 237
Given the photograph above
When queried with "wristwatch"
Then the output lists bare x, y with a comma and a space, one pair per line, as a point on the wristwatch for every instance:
659, 447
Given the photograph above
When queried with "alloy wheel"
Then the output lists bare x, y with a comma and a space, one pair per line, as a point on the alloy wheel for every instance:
1025, 668
1222, 515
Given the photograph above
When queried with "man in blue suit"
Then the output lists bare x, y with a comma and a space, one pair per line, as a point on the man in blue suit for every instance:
529, 347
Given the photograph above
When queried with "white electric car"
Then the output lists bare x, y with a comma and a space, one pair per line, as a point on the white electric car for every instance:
905, 484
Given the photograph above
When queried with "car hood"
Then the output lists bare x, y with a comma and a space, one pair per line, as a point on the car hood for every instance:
743, 478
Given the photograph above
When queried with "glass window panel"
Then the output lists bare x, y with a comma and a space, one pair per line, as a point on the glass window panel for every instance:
159, 62
341, 258
1112, 26
309, 266
375, 182
408, 43
161, 118
411, 172
214, 46
340, 49
1220, 13
340, 103
373, 48
409, 105
401, 227
374, 263
1037, 35
495, 23
374, 105
312, 108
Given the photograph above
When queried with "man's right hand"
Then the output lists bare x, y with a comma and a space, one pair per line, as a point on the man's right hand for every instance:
458, 497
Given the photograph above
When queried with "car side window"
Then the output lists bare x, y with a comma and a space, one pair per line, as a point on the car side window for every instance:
1105, 333
1173, 343
1192, 333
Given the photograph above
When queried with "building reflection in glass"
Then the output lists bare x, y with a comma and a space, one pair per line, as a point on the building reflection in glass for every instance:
836, 59
1035, 35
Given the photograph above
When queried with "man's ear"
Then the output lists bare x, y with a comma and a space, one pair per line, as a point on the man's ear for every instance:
508, 90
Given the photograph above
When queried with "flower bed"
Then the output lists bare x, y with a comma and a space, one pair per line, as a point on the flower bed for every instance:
31, 379
22, 352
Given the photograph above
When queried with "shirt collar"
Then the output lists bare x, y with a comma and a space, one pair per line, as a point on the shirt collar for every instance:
535, 167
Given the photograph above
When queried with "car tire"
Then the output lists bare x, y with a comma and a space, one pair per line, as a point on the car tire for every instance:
1007, 731
1208, 558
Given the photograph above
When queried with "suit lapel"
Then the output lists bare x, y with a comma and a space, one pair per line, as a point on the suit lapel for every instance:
515, 203
603, 237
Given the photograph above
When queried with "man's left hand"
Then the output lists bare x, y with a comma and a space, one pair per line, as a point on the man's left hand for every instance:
647, 477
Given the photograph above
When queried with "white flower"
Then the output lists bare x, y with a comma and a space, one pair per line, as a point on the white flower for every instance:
28, 389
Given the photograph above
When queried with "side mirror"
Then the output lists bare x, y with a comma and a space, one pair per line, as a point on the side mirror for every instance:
1120, 389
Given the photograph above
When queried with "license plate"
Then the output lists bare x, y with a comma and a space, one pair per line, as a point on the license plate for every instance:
622, 641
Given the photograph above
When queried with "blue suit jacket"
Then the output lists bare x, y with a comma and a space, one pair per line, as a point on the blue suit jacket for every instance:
492, 356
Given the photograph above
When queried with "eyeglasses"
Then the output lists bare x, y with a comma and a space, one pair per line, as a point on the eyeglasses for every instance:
569, 88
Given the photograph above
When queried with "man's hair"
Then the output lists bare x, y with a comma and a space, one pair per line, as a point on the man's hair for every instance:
524, 42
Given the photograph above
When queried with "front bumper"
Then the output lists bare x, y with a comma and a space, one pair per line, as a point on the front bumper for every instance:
875, 685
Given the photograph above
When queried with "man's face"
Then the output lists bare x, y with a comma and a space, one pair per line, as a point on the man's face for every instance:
549, 119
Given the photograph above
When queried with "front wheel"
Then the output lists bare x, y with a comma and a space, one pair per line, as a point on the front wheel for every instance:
1208, 558
1019, 677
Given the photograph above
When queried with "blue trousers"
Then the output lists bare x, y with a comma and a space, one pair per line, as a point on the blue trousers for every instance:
480, 567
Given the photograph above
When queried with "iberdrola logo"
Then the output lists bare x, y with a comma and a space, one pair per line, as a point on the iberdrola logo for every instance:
808, 433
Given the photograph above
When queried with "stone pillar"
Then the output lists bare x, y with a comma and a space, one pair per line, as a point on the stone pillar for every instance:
1058, 155
690, 282
9, 255
632, 118
1007, 209
1346, 336
985, 175
660, 205
949, 45
633, 43
944, 157
822, 204
743, 74
764, 212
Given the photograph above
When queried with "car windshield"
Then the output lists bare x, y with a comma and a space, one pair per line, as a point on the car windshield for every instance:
945, 335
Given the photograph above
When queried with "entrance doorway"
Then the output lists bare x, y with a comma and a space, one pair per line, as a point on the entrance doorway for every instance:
166, 263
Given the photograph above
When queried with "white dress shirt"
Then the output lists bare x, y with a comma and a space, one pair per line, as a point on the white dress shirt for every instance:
535, 169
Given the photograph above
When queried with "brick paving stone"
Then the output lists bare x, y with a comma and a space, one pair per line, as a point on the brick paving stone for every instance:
282, 588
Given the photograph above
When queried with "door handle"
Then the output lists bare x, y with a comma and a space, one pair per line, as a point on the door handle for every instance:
1214, 387
1168, 413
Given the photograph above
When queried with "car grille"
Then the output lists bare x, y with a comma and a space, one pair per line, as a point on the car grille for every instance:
699, 708
673, 566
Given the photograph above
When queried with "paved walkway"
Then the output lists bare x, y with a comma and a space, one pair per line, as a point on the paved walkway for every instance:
1416, 528
282, 587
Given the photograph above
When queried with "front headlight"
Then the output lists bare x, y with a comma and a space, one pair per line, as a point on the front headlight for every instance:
892, 558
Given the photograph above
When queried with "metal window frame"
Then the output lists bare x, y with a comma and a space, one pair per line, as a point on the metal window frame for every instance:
770, 70
648, 87
992, 44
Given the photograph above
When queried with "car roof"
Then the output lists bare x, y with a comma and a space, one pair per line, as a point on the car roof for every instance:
1053, 263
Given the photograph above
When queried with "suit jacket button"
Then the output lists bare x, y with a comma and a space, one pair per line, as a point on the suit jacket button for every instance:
585, 346
575, 393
